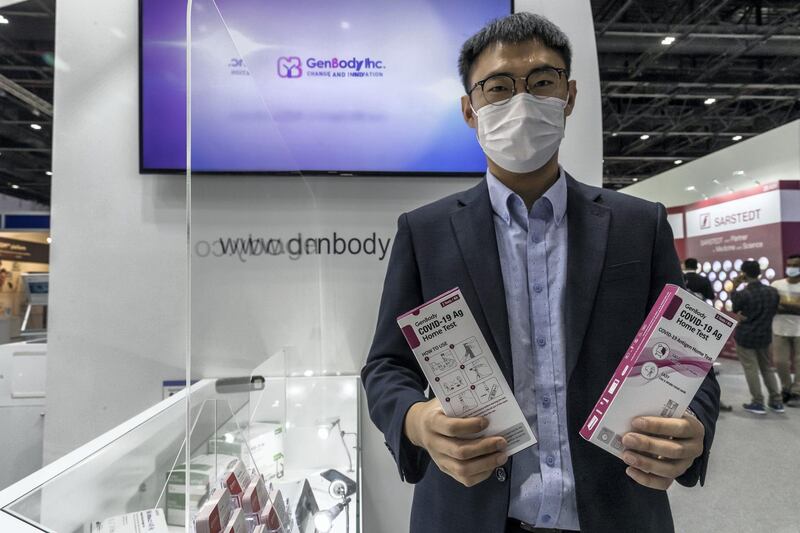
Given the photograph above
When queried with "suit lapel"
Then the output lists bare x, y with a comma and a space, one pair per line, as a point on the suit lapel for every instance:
474, 230
588, 222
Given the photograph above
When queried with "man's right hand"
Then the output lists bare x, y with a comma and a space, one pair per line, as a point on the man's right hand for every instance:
451, 442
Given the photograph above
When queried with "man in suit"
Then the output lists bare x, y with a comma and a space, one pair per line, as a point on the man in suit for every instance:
695, 283
559, 277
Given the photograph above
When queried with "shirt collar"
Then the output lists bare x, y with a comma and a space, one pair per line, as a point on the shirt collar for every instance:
500, 196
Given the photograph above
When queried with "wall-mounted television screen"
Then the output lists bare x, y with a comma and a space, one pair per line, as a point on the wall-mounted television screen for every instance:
319, 86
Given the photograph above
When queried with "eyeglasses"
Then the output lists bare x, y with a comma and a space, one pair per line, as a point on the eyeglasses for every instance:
500, 88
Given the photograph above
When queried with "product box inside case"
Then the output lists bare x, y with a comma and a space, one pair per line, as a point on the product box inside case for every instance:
663, 368
150, 521
202, 478
461, 371
215, 513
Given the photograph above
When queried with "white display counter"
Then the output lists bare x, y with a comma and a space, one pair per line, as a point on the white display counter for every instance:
288, 430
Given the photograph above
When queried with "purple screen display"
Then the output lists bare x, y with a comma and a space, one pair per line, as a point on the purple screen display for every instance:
314, 86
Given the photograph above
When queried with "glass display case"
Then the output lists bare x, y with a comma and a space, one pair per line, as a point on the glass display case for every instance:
266, 438
299, 435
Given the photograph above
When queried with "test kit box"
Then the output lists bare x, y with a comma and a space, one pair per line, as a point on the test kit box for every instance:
461, 371
150, 521
236, 478
255, 496
201, 480
215, 514
664, 366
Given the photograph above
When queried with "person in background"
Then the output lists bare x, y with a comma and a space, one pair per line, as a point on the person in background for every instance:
756, 306
699, 285
786, 331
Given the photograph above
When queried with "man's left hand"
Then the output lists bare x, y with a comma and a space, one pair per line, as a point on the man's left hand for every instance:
662, 449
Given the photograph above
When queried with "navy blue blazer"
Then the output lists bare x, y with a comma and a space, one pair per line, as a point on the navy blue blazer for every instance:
621, 254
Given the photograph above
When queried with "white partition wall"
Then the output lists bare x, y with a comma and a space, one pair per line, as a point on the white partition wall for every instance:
118, 273
766, 158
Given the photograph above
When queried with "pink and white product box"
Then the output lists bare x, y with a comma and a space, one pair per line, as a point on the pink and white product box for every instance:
461, 371
215, 513
150, 521
255, 496
236, 479
236, 524
664, 366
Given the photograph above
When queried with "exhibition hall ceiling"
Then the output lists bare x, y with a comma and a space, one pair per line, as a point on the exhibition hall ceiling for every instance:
682, 79
27, 41
679, 80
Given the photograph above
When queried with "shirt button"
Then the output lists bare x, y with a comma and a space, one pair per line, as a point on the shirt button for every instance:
538, 287
551, 461
540, 341
500, 474
546, 518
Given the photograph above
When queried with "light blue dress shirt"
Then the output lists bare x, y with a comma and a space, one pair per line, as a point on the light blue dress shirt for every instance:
533, 259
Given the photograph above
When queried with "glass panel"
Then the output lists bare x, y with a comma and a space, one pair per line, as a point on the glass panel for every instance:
307, 460
260, 316
115, 476
92, 355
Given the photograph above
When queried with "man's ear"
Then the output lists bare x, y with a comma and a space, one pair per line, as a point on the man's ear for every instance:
468, 113
573, 93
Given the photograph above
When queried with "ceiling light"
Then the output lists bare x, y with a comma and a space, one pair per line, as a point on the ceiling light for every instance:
678, 161
644, 137
668, 40
15, 186
738, 173
614, 134
49, 173
49, 240
3, 20
635, 180
716, 181
691, 188
36, 127
710, 101
736, 138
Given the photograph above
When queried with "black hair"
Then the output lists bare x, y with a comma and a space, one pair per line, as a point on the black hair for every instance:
751, 269
794, 256
516, 28
690, 263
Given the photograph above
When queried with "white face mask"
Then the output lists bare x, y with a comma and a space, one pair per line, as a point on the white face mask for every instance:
793, 272
523, 134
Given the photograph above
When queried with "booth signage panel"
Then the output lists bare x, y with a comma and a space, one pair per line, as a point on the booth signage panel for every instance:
743, 213
29, 252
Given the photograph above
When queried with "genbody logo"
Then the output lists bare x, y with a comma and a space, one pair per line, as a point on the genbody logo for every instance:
290, 67
705, 220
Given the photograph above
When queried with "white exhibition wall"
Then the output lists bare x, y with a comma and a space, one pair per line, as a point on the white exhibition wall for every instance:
10, 204
118, 285
769, 157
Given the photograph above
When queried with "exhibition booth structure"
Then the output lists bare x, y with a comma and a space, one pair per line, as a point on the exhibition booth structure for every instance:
761, 223
24, 288
208, 379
